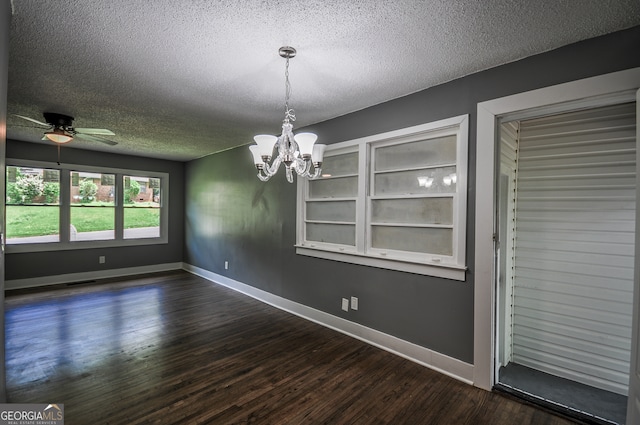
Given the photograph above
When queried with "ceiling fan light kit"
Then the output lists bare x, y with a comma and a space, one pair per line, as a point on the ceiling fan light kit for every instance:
298, 152
58, 135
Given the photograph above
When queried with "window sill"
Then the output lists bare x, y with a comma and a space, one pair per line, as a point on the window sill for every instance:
62, 246
447, 271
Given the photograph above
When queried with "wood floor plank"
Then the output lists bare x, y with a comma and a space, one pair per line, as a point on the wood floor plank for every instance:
173, 348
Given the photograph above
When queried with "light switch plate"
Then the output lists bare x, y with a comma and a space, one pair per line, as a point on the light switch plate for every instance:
345, 304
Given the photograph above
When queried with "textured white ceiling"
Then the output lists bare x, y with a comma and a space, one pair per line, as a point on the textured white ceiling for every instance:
184, 79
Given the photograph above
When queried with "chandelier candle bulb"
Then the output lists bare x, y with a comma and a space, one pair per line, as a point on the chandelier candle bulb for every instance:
265, 143
257, 158
317, 155
305, 143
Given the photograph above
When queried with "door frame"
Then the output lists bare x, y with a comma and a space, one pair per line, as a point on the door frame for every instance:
595, 91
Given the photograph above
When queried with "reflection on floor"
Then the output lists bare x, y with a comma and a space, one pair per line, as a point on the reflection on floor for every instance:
605, 407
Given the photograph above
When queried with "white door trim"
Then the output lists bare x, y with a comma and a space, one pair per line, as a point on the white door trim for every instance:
589, 92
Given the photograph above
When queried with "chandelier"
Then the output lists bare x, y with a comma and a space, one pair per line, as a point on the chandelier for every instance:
298, 153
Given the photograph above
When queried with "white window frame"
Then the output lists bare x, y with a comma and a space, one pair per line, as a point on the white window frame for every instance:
450, 267
65, 213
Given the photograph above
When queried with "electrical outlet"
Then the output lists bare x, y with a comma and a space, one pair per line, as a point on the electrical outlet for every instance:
226, 265
345, 304
354, 303
102, 259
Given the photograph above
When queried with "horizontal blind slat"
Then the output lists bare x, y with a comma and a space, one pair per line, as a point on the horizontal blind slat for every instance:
574, 255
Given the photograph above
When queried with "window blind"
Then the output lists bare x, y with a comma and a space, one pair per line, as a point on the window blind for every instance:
574, 249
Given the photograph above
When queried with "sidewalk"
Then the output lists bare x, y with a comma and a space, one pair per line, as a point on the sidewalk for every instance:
138, 233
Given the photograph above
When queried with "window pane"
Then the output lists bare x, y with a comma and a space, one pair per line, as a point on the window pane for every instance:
332, 211
415, 210
141, 207
413, 239
343, 234
340, 165
424, 153
434, 180
32, 186
32, 205
333, 188
32, 224
92, 206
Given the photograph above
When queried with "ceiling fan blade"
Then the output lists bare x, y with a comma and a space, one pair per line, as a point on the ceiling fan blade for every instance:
32, 120
95, 131
94, 138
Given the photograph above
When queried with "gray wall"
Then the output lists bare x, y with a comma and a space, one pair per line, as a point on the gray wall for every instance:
37, 264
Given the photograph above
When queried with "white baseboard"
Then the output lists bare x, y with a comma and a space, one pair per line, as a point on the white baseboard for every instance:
444, 364
79, 277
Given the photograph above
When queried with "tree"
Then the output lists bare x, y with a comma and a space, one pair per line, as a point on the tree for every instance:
29, 187
132, 191
13, 194
87, 189
51, 192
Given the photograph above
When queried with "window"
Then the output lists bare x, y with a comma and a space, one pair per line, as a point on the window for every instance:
66, 208
32, 204
395, 200
92, 201
141, 207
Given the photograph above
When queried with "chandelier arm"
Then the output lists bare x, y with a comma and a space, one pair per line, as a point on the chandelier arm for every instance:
316, 174
270, 170
307, 166
262, 176
301, 166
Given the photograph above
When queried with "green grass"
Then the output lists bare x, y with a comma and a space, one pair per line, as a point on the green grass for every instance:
25, 220
141, 217
31, 221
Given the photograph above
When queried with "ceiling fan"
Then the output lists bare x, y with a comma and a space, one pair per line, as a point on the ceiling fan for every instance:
61, 129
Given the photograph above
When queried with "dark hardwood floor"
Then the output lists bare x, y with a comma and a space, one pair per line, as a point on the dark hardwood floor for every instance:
176, 349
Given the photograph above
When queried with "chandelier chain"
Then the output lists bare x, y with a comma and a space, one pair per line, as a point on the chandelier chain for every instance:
289, 113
